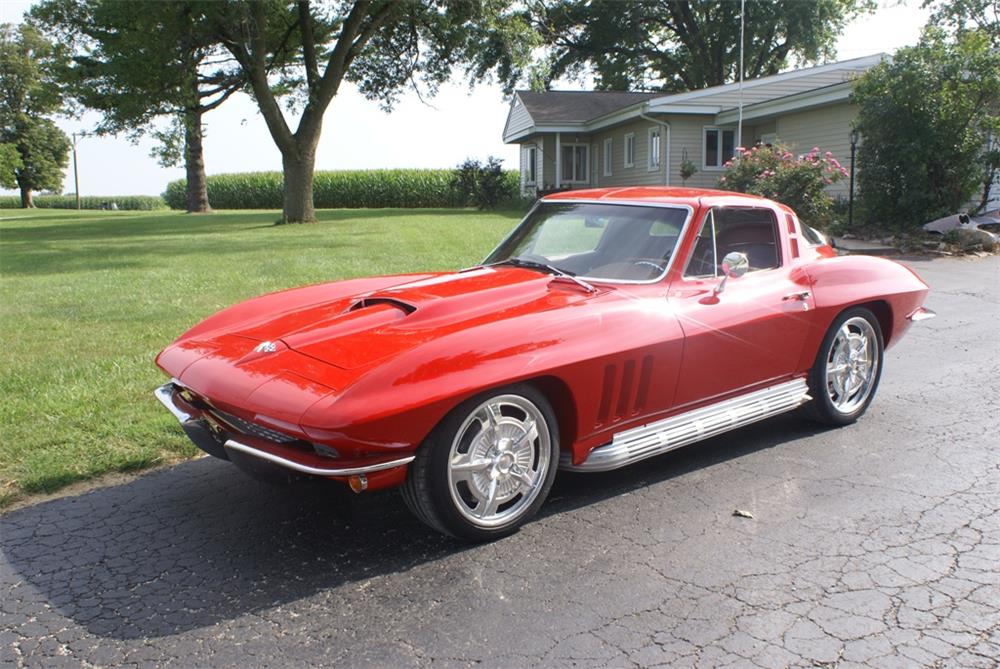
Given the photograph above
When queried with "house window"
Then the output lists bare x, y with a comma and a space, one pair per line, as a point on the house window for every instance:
653, 161
630, 149
720, 147
607, 156
530, 165
574, 163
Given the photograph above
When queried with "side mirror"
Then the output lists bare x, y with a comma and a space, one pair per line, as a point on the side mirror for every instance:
734, 265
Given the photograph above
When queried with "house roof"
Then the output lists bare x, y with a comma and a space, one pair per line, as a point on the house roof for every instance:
587, 111
577, 106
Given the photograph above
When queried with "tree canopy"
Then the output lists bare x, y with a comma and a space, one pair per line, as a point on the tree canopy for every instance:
926, 118
27, 97
306, 51
959, 16
137, 62
680, 45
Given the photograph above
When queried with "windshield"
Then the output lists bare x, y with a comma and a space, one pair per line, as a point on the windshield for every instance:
611, 242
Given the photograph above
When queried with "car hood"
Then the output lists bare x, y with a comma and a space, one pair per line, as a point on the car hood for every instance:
290, 349
365, 328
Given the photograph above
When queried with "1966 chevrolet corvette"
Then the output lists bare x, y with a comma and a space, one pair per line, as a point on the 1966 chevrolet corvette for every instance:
610, 326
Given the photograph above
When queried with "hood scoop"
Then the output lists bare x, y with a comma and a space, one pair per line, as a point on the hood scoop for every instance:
369, 302
349, 340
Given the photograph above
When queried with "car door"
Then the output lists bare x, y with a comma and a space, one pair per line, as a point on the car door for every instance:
754, 331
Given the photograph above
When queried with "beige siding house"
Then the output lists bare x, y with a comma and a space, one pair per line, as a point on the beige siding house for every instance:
585, 139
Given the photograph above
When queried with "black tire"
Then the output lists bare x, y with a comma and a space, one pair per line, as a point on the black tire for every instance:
428, 491
823, 408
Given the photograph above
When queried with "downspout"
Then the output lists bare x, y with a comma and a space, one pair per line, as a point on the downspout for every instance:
666, 127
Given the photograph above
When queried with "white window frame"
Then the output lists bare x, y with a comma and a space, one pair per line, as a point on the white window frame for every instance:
629, 160
586, 171
704, 147
654, 159
608, 155
532, 162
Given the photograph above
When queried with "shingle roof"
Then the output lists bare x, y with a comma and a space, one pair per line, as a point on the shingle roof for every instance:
570, 106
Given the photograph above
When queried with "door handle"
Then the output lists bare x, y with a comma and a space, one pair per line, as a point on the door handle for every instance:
801, 297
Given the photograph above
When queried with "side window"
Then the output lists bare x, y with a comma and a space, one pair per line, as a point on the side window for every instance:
753, 232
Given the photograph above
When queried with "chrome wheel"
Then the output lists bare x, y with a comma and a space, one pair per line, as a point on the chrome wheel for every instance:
852, 365
499, 461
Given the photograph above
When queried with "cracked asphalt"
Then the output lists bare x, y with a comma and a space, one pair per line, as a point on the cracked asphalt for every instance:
874, 545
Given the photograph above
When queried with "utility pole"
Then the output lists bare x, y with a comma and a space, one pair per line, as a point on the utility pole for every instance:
739, 124
76, 173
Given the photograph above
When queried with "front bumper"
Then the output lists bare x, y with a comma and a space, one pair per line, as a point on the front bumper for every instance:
219, 440
920, 314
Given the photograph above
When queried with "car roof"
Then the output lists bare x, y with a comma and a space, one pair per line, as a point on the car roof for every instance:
658, 195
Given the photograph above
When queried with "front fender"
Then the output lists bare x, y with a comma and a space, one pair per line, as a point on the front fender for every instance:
398, 403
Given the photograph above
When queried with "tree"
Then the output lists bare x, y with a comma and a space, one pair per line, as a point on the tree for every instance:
983, 16
680, 45
27, 97
134, 79
926, 118
958, 16
380, 45
10, 162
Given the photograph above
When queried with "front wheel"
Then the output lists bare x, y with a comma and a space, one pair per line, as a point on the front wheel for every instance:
847, 370
487, 467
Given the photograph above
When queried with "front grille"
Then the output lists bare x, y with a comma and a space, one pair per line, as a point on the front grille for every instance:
252, 429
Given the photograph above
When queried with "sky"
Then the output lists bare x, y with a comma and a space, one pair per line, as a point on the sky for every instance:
357, 134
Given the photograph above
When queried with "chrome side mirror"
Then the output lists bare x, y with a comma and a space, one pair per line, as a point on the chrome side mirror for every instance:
734, 265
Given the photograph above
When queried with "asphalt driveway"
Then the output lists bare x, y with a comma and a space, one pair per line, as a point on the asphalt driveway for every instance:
877, 544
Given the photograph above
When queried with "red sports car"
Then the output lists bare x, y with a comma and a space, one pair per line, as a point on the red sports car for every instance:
610, 326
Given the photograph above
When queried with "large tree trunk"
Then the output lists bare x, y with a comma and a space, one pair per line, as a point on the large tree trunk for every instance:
194, 162
298, 167
27, 198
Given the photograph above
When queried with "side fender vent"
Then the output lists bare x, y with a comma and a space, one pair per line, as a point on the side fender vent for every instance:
623, 392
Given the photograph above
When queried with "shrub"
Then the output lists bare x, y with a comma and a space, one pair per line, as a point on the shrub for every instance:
342, 189
799, 182
122, 202
486, 186
926, 118
465, 181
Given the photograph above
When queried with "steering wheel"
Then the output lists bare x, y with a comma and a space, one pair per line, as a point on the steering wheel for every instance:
657, 264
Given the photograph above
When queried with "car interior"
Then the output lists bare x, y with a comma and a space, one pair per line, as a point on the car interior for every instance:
753, 232
628, 244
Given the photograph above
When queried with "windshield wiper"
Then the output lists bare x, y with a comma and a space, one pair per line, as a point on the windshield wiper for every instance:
551, 269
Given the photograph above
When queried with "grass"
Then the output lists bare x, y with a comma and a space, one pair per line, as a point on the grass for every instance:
87, 299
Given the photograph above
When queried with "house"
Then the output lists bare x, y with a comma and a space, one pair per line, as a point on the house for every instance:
577, 139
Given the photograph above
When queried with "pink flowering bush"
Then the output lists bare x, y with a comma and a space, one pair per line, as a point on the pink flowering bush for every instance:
797, 181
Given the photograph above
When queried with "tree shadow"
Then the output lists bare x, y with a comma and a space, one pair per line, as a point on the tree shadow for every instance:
187, 547
129, 241
131, 225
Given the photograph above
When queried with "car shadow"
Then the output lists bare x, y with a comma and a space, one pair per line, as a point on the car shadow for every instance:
189, 546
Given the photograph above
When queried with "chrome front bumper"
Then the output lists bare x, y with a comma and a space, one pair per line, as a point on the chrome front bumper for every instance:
283, 456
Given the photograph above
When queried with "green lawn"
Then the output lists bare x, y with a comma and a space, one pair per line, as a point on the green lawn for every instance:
88, 299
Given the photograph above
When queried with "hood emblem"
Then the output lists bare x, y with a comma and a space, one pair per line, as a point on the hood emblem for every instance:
266, 347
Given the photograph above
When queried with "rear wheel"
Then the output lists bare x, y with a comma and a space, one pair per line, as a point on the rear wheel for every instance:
847, 370
487, 467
